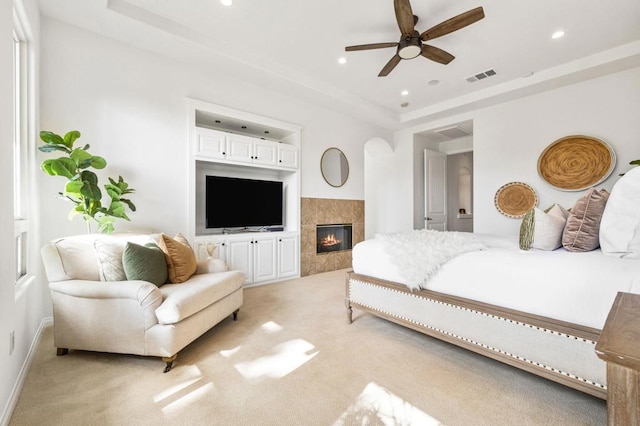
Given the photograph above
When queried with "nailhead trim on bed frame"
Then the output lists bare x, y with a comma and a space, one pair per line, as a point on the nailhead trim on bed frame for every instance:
555, 370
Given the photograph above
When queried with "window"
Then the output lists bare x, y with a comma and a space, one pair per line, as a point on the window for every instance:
20, 148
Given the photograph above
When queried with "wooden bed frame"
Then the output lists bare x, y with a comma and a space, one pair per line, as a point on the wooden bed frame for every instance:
543, 346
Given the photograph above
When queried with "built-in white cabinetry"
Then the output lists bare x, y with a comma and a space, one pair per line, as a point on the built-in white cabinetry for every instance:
238, 144
263, 257
237, 149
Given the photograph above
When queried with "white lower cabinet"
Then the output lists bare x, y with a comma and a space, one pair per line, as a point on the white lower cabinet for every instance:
288, 256
262, 257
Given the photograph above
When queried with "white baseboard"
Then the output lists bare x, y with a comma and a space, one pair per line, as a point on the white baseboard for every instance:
19, 384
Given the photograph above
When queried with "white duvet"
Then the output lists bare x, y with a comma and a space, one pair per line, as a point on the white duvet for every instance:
574, 287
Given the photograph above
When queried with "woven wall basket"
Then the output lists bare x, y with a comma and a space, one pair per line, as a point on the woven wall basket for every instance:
515, 199
575, 163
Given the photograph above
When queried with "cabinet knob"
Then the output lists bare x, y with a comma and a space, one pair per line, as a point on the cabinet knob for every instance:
224, 153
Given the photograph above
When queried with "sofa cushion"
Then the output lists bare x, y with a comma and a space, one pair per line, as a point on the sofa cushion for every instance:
146, 263
180, 258
200, 291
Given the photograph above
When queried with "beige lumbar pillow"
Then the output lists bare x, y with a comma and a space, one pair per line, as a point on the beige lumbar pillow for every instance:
180, 258
582, 231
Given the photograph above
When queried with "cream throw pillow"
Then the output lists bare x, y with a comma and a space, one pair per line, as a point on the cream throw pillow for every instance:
620, 226
180, 258
543, 229
109, 252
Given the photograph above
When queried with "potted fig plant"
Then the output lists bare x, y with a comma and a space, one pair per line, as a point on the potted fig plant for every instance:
82, 187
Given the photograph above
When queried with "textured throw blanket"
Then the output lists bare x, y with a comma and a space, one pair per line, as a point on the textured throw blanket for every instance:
419, 254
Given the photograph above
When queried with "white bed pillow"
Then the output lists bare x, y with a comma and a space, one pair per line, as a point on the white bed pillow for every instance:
620, 225
543, 229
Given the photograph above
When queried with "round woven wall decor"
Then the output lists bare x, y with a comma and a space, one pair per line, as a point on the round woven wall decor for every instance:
574, 163
515, 199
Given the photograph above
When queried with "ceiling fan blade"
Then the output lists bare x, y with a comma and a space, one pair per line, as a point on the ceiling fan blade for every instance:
453, 24
436, 54
390, 66
370, 46
404, 16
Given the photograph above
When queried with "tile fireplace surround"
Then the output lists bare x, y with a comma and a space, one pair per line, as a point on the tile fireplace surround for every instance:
319, 211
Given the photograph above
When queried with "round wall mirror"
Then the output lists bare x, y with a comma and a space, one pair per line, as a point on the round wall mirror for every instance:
334, 167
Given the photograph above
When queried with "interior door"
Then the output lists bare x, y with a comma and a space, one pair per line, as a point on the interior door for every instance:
435, 187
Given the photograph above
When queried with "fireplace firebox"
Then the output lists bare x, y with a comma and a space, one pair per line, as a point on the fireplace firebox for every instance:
335, 237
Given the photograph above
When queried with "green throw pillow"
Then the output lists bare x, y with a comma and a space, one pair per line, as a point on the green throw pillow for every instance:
145, 263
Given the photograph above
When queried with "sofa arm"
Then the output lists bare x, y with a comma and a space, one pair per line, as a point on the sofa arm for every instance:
144, 294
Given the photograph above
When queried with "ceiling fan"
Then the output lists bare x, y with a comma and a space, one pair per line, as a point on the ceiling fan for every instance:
411, 41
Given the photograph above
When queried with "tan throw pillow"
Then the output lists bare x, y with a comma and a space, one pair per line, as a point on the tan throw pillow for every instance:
181, 260
582, 230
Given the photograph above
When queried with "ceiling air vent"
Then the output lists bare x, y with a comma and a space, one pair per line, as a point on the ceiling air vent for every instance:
454, 132
481, 76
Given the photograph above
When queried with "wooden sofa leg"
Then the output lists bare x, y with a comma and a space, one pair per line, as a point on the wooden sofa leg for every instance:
61, 351
235, 314
169, 361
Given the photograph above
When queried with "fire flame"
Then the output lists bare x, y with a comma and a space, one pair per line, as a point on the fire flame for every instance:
329, 241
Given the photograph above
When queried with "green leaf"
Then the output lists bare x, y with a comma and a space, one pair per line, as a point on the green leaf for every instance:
60, 167
129, 203
73, 188
84, 164
51, 138
117, 209
52, 148
79, 155
98, 162
90, 189
71, 137
635, 163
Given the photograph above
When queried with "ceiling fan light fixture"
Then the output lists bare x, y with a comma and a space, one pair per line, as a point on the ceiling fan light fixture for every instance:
410, 48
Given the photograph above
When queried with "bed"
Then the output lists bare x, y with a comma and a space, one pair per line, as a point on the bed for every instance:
537, 301
541, 311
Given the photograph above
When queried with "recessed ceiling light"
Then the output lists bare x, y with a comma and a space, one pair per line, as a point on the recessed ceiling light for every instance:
433, 82
226, 2
558, 34
342, 60
404, 92
404, 104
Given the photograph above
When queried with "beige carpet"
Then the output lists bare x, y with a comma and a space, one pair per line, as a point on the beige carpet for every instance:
291, 359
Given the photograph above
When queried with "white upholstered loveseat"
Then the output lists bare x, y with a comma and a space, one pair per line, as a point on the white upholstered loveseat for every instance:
131, 316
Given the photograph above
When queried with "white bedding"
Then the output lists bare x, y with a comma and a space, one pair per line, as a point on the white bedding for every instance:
568, 286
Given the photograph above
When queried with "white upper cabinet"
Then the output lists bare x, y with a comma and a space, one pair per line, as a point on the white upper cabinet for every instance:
287, 156
217, 145
211, 144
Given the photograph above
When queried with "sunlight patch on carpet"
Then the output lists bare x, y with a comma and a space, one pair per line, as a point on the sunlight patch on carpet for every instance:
287, 357
377, 406
271, 327
177, 407
228, 353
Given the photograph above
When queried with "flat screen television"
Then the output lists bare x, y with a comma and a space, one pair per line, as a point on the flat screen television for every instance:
238, 203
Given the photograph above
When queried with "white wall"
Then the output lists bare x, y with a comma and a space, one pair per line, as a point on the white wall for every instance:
508, 139
130, 105
21, 306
